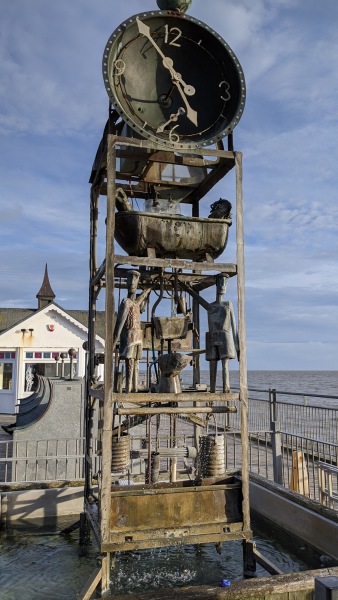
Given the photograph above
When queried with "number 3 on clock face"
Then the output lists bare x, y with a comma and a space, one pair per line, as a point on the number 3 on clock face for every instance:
174, 80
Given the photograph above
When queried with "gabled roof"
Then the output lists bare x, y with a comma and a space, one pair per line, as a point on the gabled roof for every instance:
11, 317
82, 317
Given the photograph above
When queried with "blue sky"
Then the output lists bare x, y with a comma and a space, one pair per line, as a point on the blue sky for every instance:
53, 107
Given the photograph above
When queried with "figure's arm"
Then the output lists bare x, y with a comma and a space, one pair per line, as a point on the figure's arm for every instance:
195, 295
120, 321
234, 329
143, 296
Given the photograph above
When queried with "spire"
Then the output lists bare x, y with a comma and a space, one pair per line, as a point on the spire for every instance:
45, 295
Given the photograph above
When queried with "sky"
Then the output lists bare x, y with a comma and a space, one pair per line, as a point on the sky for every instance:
53, 108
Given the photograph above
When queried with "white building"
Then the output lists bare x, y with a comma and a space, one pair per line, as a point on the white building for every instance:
32, 340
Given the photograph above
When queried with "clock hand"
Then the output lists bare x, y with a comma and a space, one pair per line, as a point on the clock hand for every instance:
173, 118
191, 113
168, 63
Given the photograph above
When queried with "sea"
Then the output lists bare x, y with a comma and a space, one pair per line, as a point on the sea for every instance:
37, 563
309, 384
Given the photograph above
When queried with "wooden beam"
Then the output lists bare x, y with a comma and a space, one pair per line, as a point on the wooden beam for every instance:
167, 263
91, 584
141, 398
167, 158
211, 180
170, 410
192, 152
176, 263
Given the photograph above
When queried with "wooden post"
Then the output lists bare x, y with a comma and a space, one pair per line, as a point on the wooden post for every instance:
321, 481
196, 344
243, 383
249, 559
105, 491
105, 573
300, 478
196, 321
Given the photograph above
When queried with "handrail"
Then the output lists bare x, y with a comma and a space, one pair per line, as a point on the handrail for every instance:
281, 393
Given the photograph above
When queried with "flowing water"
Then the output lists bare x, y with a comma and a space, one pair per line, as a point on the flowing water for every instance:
37, 564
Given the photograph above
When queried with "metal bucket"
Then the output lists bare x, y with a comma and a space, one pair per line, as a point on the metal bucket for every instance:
171, 328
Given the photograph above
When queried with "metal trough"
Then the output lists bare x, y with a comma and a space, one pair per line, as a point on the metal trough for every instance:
171, 235
151, 516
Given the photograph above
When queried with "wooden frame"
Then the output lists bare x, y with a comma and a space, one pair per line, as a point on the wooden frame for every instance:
98, 507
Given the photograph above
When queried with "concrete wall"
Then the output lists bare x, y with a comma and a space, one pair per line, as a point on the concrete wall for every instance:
316, 525
24, 505
54, 433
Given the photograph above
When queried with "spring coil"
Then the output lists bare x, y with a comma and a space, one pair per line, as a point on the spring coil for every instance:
211, 455
121, 453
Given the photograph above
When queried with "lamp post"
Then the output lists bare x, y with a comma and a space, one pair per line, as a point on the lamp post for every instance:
72, 354
63, 356
57, 358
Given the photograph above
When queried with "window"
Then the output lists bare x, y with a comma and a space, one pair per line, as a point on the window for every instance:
7, 355
6, 376
52, 369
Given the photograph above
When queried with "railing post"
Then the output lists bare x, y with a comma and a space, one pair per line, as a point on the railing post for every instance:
273, 404
276, 439
276, 442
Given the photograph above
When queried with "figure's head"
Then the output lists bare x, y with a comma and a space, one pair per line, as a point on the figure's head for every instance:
221, 283
132, 280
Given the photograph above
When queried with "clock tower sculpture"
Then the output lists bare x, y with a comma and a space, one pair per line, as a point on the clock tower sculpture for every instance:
176, 91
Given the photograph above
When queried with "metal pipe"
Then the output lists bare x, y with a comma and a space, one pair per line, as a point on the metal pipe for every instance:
182, 452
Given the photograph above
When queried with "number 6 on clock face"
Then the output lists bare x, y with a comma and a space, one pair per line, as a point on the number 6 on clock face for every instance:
160, 65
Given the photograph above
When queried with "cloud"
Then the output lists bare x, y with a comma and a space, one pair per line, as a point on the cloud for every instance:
53, 108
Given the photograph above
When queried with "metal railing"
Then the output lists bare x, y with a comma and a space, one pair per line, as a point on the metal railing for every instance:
41, 461
296, 416
328, 484
291, 443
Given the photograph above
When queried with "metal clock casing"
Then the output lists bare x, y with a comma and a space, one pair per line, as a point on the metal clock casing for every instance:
173, 79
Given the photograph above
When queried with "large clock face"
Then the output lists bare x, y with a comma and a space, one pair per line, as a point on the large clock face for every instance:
173, 79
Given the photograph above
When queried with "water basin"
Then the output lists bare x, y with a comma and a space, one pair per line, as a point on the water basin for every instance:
38, 563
